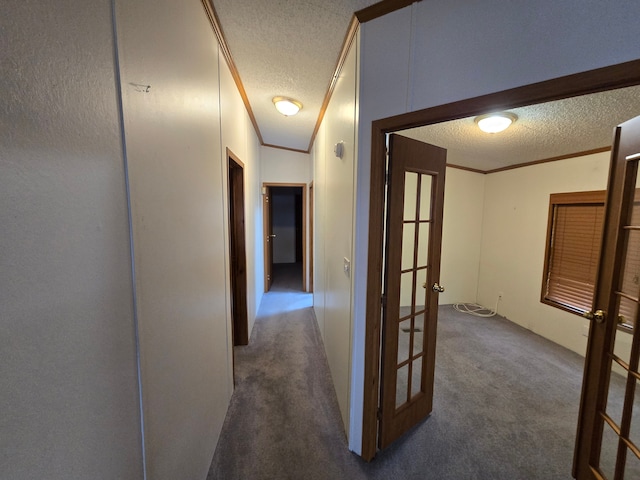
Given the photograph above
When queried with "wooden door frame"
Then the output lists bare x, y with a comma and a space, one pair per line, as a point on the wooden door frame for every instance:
265, 189
237, 250
602, 335
593, 81
266, 238
311, 213
424, 160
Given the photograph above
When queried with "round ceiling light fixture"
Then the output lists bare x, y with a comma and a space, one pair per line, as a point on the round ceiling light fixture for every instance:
287, 106
495, 122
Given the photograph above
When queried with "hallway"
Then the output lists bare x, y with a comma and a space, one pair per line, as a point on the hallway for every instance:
283, 420
505, 405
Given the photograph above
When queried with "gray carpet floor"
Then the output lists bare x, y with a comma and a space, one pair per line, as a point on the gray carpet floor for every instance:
505, 405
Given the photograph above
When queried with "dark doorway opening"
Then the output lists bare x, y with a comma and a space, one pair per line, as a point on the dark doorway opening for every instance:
286, 237
237, 247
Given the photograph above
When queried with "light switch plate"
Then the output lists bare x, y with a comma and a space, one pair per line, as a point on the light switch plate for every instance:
347, 267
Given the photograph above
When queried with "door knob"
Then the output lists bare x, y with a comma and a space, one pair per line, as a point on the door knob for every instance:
598, 316
437, 288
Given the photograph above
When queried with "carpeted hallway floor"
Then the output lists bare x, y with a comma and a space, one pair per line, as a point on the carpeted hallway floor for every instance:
505, 405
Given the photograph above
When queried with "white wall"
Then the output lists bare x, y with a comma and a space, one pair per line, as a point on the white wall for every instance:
177, 134
284, 166
461, 235
461, 239
435, 52
320, 228
69, 396
177, 173
70, 400
514, 237
239, 136
334, 180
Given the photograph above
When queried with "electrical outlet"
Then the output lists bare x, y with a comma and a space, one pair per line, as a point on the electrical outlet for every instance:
347, 267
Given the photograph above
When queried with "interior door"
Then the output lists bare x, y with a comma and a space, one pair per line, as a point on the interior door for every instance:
415, 197
237, 250
608, 439
268, 238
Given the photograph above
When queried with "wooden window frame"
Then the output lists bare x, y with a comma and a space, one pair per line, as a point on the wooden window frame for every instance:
596, 198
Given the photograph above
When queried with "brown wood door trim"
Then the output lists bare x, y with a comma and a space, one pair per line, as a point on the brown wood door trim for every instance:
311, 219
303, 186
619, 204
381, 9
606, 78
237, 250
428, 161
266, 241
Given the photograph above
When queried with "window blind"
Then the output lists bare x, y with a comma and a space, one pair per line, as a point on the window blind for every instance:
630, 281
575, 249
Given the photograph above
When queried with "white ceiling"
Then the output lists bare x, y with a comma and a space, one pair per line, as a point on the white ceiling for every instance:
541, 132
291, 48
288, 48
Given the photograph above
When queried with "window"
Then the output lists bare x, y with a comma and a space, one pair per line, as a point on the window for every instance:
574, 234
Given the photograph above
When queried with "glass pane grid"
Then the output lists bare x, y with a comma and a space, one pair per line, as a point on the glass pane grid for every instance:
410, 195
416, 235
634, 427
416, 377
426, 193
402, 385
629, 282
632, 467
409, 241
404, 341
615, 396
620, 362
619, 456
608, 450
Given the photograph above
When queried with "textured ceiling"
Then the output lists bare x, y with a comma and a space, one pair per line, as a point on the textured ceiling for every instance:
288, 48
291, 48
542, 131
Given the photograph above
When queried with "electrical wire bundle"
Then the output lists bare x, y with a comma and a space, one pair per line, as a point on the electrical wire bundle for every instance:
476, 310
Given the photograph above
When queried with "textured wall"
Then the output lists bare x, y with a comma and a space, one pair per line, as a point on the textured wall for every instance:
461, 235
320, 228
283, 166
441, 51
68, 396
177, 172
516, 210
239, 136
334, 204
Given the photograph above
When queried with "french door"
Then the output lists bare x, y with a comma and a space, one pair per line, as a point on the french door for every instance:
608, 439
415, 197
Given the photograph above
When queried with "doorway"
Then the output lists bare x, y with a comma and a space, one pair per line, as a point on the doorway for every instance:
285, 239
237, 250
574, 85
311, 220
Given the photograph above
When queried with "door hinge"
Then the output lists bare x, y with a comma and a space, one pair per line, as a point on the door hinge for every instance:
379, 414
386, 177
383, 301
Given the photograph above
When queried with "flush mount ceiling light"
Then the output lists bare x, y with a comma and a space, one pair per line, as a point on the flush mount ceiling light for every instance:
287, 106
495, 122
